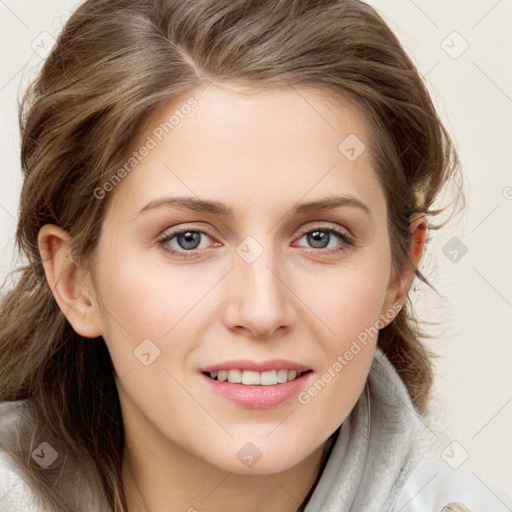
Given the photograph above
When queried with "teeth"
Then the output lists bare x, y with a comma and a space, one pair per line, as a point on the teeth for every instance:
235, 376
282, 376
252, 378
269, 378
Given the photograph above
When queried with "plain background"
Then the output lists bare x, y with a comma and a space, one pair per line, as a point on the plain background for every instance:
463, 49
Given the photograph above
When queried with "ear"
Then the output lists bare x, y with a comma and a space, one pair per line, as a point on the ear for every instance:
71, 285
400, 284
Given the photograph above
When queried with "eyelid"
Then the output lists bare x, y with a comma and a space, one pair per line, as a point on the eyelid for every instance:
346, 240
175, 230
162, 243
303, 230
172, 232
326, 226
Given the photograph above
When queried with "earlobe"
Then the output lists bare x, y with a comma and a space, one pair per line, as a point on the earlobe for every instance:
69, 283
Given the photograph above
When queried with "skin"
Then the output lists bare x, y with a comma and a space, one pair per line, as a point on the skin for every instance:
259, 152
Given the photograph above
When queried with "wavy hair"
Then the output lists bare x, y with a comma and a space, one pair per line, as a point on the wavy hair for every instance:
116, 62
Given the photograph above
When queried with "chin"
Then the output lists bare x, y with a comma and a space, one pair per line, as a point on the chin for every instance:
259, 458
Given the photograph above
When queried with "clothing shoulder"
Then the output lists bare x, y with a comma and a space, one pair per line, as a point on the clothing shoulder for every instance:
15, 494
433, 485
79, 487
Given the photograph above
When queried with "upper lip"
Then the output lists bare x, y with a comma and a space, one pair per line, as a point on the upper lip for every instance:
257, 366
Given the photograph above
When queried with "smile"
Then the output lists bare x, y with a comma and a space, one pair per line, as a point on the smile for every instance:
254, 378
257, 384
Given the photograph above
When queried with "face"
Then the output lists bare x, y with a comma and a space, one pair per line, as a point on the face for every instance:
242, 276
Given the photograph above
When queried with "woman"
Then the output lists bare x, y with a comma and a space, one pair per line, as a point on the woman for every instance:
224, 207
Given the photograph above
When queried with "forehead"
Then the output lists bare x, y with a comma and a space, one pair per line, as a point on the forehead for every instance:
253, 146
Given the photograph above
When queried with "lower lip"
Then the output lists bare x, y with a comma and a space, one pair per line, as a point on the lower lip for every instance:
258, 397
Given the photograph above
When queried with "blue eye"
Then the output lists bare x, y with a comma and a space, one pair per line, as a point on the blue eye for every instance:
186, 242
321, 238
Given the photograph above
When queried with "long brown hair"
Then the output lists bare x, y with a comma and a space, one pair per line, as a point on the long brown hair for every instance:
114, 64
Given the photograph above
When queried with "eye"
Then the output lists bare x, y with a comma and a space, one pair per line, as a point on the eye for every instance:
184, 243
321, 238
180, 243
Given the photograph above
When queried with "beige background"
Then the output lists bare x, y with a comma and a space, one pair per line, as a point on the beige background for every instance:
463, 48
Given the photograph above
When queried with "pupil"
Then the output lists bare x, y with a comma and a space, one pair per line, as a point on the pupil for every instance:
188, 239
315, 239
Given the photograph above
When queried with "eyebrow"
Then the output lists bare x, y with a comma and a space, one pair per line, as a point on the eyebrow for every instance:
217, 208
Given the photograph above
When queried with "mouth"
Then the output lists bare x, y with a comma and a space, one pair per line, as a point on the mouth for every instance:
255, 378
257, 385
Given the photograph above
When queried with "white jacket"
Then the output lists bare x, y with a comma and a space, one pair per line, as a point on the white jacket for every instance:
374, 466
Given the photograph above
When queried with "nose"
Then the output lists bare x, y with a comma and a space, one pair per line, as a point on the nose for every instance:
259, 296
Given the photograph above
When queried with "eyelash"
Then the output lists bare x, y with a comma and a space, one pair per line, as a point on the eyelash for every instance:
164, 241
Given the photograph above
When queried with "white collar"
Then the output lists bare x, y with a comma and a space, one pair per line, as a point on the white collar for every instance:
375, 451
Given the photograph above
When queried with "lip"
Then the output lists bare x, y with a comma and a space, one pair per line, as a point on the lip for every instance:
257, 396
255, 366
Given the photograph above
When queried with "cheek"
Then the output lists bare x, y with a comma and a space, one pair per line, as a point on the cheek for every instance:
348, 335
349, 305
348, 298
153, 303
